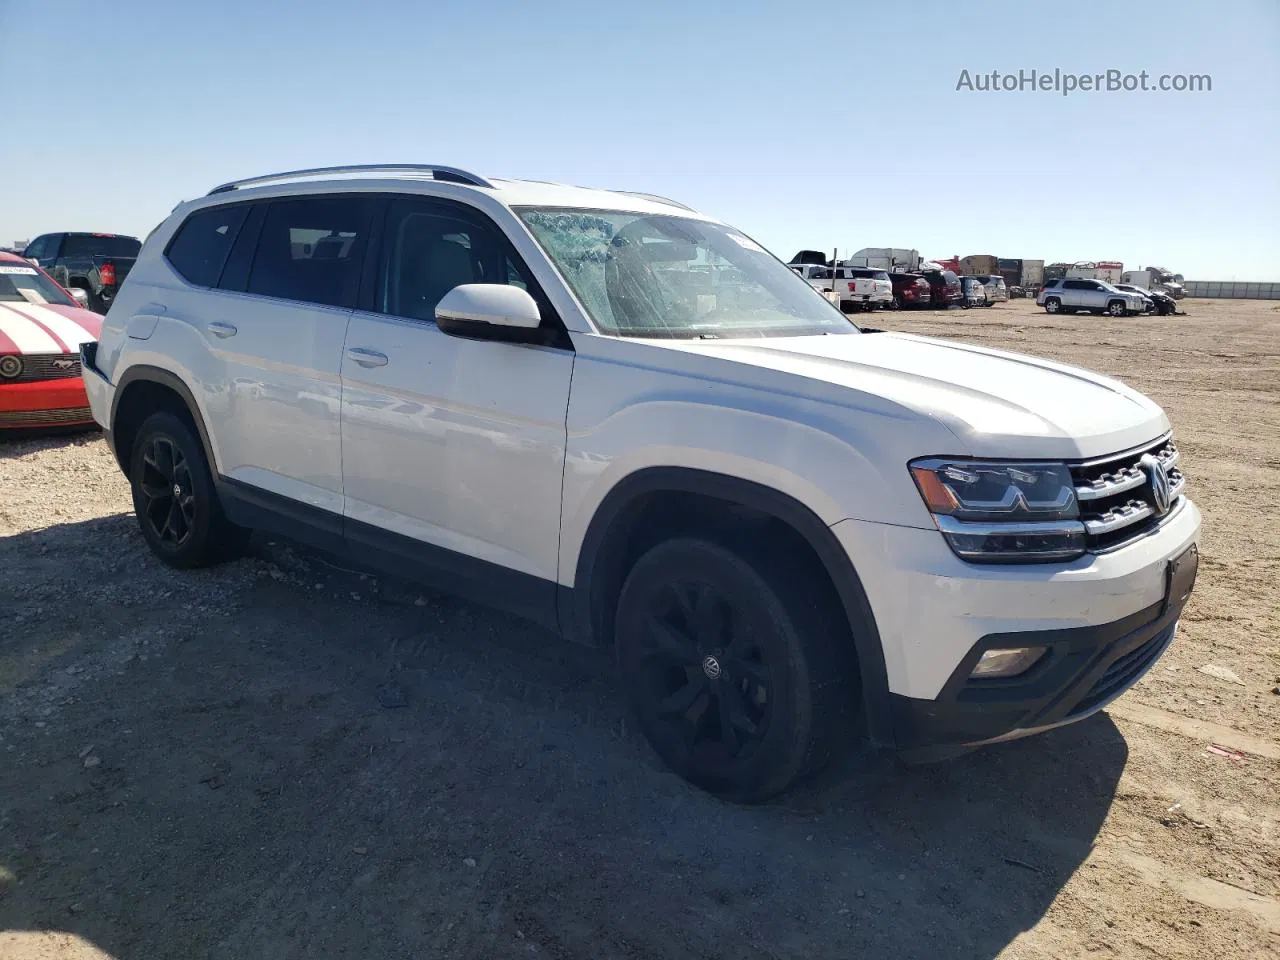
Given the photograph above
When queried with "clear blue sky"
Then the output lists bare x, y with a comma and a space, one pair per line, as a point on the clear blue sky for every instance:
806, 125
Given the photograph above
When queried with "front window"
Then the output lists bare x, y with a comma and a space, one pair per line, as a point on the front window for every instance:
23, 284
645, 275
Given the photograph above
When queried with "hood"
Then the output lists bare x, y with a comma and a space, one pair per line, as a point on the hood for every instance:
31, 328
998, 404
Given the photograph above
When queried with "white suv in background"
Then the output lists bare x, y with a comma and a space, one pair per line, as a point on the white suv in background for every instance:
628, 421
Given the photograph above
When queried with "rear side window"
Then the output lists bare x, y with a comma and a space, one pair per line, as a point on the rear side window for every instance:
199, 250
311, 250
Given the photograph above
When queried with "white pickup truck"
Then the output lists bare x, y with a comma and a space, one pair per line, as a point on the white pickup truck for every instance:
860, 288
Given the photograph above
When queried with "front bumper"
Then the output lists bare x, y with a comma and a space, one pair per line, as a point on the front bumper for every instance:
936, 614
44, 403
1083, 671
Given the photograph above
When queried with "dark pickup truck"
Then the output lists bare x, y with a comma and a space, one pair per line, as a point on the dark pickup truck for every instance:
96, 263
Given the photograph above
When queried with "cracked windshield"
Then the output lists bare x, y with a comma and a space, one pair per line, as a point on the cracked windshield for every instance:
678, 278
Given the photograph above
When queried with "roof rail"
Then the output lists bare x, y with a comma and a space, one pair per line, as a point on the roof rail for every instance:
438, 172
657, 199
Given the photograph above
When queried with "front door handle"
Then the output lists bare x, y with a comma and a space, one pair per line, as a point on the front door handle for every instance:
222, 330
367, 358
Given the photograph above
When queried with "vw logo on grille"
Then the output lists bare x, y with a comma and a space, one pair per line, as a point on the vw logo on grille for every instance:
711, 667
1159, 478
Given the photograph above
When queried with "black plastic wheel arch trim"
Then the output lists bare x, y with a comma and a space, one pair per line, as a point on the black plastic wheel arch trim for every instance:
579, 612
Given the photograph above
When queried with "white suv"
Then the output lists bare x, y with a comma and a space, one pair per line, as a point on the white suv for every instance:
630, 422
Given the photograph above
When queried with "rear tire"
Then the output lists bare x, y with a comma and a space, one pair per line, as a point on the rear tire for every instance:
1053, 305
174, 498
733, 667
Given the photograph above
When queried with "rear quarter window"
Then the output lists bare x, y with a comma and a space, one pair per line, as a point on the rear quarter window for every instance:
199, 249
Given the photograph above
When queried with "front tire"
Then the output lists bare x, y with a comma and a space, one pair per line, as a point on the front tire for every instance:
174, 498
732, 666
1116, 308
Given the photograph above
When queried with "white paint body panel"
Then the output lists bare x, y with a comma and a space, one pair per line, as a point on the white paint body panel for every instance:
504, 453
931, 607
455, 442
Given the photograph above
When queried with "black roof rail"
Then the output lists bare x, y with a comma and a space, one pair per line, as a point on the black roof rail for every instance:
438, 172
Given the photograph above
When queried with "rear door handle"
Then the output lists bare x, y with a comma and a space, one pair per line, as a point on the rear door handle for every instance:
367, 358
222, 330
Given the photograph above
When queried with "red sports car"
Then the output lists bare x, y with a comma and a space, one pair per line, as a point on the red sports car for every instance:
41, 329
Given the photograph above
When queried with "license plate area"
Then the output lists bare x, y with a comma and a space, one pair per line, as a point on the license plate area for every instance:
1180, 577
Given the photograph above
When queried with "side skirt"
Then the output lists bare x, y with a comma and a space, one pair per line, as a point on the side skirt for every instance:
394, 554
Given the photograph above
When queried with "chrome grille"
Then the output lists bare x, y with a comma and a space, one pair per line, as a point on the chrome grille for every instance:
1117, 501
45, 366
46, 418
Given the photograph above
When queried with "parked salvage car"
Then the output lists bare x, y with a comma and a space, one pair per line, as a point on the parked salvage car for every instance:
997, 291
41, 331
910, 290
944, 287
1095, 296
974, 293
868, 289
96, 263
1161, 303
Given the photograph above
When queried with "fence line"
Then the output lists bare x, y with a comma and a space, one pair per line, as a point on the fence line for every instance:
1232, 289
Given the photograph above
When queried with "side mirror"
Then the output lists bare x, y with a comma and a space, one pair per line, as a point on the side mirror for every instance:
489, 311
34, 260
62, 275
81, 298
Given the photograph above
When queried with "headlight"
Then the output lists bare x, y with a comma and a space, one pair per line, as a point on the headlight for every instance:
995, 512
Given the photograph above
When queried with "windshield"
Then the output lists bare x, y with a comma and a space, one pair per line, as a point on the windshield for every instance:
642, 275
20, 284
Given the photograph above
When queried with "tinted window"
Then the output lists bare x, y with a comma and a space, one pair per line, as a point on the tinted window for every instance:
99, 245
429, 250
42, 248
311, 250
1075, 285
202, 243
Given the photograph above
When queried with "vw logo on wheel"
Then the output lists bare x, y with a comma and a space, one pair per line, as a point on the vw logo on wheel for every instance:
1159, 477
711, 667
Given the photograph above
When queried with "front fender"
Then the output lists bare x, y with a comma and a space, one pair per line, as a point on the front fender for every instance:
839, 461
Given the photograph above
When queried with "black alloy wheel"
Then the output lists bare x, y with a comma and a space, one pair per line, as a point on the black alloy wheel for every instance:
735, 664
169, 500
706, 672
174, 497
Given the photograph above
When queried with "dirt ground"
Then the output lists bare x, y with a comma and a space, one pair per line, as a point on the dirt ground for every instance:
199, 765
